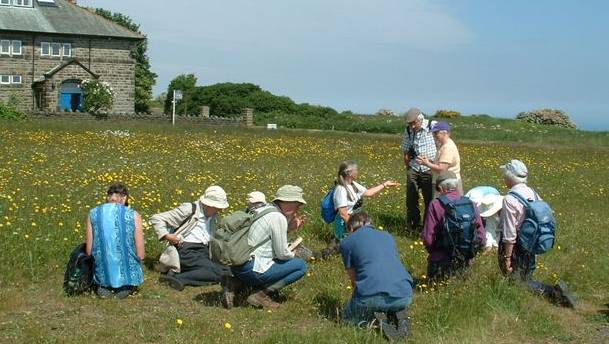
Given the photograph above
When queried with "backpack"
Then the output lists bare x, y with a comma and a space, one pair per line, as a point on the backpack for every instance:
78, 277
328, 212
459, 236
538, 231
229, 245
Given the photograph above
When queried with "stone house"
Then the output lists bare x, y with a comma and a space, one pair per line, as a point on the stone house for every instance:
48, 47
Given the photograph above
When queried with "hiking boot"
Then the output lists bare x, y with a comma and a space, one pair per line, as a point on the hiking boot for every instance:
230, 286
170, 279
403, 323
564, 296
260, 299
104, 293
388, 330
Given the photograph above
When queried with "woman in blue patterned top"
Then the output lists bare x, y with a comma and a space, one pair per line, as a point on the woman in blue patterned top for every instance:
116, 240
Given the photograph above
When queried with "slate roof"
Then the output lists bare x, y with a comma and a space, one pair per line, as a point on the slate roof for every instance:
64, 18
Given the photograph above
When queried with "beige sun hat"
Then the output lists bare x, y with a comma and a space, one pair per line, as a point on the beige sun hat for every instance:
490, 205
412, 114
289, 193
256, 197
214, 196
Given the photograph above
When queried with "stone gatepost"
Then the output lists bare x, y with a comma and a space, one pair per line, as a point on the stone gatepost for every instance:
248, 117
205, 111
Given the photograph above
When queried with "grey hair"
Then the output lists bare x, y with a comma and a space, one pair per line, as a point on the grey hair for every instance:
344, 170
449, 184
514, 178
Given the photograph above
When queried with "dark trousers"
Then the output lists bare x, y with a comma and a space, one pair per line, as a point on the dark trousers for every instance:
417, 182
196, 267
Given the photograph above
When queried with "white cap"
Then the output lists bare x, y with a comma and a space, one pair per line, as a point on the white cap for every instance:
256, 197
214, 196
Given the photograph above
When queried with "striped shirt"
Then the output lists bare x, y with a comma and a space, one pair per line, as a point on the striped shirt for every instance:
423, 143
271, 233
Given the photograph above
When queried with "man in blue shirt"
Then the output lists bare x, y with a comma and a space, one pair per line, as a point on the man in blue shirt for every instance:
382, 286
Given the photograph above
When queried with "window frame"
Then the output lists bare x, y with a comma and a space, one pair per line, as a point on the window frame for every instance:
8, 51
13, 79
5, 76
63, 49
59, 49
23, 3
42, 44
8, 2
13, 48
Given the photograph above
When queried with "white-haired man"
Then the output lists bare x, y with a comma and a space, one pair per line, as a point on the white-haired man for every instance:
513, 260
189, 228
418, 141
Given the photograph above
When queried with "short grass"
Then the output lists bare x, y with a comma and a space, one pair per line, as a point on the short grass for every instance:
51, 173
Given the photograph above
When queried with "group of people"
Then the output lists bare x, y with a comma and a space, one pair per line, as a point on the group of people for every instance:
382, 285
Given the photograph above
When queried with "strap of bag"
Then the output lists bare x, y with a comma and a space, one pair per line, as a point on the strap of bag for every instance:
521, 199
181, 228
258, 217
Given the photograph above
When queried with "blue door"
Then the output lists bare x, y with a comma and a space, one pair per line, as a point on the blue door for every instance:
71, 97
65, 103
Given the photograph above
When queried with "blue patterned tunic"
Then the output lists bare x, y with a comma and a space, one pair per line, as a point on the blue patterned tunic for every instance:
116, 262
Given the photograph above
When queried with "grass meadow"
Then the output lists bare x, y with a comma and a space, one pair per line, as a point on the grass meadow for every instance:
52, 172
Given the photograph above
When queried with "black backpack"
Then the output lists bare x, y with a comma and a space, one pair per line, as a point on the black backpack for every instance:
459, 236
78, 278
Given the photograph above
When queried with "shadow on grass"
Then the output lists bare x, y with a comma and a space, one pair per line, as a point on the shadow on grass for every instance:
396, 225
329, 306
209, 298
151, 264
605, 313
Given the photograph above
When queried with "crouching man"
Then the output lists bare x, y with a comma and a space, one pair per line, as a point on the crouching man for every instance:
453, 233
189, 228
382, 286
272, 265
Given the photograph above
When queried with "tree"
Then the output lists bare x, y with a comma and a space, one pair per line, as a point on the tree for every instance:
144, 77
186, 83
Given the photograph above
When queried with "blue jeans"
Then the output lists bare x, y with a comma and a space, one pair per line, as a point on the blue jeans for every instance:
360, 309
279, 275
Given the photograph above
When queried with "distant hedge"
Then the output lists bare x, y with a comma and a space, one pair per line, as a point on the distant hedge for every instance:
447, 114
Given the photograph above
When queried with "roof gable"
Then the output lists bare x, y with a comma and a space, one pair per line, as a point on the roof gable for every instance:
64, 18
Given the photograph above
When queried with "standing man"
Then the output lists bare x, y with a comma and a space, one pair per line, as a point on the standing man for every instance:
515, 261
447, 157
189, 228
417, 141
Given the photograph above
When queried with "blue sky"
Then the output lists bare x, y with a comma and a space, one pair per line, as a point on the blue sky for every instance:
476, 56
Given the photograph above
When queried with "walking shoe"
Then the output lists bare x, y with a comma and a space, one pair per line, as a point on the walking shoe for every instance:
104, 293
388, 330
403, 323
260, 299
564, 296
170, 279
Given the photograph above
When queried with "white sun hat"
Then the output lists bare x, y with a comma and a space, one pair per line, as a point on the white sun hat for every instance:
214, 196
490, 205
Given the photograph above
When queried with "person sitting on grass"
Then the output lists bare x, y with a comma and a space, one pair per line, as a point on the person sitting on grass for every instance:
189, 228
382, 286
272, 266
489, 202
515, 261
453, 233
116, 240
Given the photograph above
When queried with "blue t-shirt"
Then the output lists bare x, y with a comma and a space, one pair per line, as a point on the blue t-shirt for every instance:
374, 257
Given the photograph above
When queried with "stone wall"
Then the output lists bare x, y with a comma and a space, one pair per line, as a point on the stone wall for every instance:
108, 57
144, 117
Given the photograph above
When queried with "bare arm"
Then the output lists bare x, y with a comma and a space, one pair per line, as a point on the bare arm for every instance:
139, 237
374, 190
352, 276
344, 214
89, 240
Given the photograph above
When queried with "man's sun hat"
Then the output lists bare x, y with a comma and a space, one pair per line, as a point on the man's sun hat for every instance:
256, 197
490, 205
289, 193
440, 126
214, 196
412, 114
517, 168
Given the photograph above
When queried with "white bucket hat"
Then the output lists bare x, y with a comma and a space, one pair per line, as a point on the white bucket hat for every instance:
214, 196
490, 205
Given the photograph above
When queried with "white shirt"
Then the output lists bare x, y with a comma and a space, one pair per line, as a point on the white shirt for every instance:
341, 198
274, 226
201, 233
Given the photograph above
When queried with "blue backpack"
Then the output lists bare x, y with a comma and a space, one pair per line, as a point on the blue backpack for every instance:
328, 212
459, 237
538, 231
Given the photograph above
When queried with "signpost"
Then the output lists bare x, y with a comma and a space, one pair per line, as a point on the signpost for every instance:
177, 95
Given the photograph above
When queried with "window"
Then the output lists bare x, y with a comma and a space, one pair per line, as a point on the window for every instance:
55, 49
16, 79
22, 3
16, 48
5, 79
67, 49
5, 47
45, 49
5, 2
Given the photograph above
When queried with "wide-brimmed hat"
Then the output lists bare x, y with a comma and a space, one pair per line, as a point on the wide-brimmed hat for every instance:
214, 196
412, 114
256, 197
289, 193
517, 168
490, 205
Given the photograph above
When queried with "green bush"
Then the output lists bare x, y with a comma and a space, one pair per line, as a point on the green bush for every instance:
449, 114
99, 97
9, 110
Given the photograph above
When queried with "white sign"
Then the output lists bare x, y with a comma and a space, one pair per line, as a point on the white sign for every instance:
178, 95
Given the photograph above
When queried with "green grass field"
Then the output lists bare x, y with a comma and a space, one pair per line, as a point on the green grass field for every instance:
52, 172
